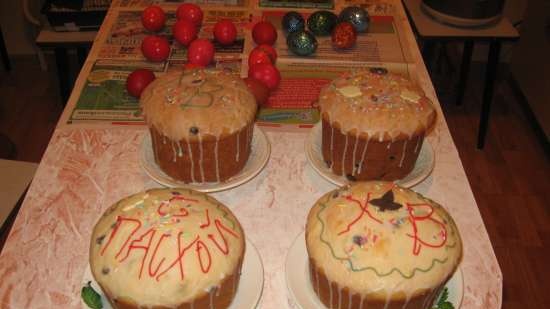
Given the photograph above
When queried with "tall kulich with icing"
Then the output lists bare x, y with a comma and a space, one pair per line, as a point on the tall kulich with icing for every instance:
374, 124
379, 246
168, 248
201, 124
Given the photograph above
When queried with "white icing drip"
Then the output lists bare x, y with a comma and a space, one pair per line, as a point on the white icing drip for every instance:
331, 146
191, 160
180, 151
427, 299
363, 155
173, 151
200, 159
403, 153
417, 145
380, 137
361, 302
340, 291
407, 300
350, 299
344, 156
211, 292
354, 151
155, 147
388, 299
317, 281
238, 147
330, 291
216, 159
389, 145
164, 139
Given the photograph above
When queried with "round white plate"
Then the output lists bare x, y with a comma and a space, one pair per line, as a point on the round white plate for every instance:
301, 291
259, 155
422, 168
248, 292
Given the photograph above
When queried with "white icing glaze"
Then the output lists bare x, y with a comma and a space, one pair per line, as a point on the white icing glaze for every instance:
138, 243
401, 251
213, 102
387, 105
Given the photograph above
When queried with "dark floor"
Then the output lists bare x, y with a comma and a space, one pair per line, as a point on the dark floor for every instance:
510, 178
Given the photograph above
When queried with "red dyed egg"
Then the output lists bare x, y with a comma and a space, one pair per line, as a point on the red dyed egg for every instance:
191, 12
264, 33
153, 18
201, 52
225, 32
344, 35
138, 80
155, 48
184, 31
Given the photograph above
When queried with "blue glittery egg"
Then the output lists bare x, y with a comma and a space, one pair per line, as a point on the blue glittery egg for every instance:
292, 22
357, 16
301, 43
322, 22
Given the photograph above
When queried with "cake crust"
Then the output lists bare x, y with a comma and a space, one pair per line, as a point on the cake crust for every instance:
379, 244
201, 124
168, 248
374, 123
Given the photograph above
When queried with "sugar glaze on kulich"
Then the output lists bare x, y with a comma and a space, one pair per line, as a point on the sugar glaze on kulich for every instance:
168, 248
201, 124
373, 124
376, 245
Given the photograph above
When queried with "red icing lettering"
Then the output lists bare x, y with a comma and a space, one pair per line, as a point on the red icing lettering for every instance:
119, 221
207, 224
364, 210
220, 227
154, 273
133, 246
150, 245
183, 212
201, 249
414, 220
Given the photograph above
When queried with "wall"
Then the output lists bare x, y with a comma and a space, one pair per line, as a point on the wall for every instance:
18, 33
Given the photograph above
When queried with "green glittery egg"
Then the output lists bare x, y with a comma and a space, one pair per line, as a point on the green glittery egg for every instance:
301, 43
322, 22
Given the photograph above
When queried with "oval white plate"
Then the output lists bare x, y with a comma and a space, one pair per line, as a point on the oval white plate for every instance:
248, 292
422, 168
301, 291
259, 155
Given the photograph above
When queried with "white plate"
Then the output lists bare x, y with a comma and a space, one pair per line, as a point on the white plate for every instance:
301, 291
259, 155
248, 292
422, 168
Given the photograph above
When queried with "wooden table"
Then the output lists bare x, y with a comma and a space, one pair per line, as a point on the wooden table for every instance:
85, 170
430, 30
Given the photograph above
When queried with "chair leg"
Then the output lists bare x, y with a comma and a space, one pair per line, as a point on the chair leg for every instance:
62, 73
464, 70
82, 54
4, 52
490, 75
427, 53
